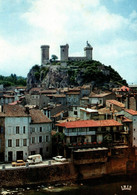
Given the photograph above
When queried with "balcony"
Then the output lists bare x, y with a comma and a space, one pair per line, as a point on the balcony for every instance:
85, 145
78, 133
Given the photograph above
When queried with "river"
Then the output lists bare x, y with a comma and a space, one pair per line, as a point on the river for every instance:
118, 185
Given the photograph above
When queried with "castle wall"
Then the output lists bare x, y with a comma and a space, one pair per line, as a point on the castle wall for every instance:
76, 58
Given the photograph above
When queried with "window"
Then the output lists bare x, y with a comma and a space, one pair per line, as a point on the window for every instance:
17, 142
24, 142
24, 129
40, 129
100, 101
47, 138
103, 129
47, 149
9, 143
40, 139
1, 129
75, 112
93, 138
33, 140
17, 130
32, 129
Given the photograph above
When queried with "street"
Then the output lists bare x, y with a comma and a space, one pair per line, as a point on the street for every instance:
50, 162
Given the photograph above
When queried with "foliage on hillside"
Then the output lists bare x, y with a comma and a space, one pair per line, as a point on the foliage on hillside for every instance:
40, 72
12, 80
95, 71
76, 73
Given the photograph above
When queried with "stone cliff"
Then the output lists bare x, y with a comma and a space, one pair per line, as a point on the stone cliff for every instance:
74, 73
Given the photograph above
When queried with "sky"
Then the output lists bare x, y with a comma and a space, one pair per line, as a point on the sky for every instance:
110, 26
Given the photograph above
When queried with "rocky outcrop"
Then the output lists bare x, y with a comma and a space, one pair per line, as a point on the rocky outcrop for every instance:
76, 74
56, 77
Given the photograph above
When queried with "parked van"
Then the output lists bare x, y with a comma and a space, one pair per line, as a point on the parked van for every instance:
34, 159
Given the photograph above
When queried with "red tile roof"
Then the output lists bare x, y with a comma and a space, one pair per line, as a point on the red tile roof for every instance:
125, 119
124, 88
117, 103
93, 95
89, 123
130, 111
50, 91
13, 111
38, 117
73, 93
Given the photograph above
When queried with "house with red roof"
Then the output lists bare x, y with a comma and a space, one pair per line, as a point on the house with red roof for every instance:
91, 131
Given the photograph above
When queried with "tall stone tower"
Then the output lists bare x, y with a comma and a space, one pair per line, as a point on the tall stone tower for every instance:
88, 51
64, 52
44, 54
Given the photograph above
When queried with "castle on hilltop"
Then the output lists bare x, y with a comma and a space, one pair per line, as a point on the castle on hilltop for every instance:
64, 54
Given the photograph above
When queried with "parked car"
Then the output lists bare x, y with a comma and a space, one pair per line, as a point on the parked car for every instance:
59, 158
18, 163
33, 159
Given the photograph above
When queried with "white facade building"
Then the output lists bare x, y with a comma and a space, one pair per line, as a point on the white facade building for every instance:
26, 132
16, 138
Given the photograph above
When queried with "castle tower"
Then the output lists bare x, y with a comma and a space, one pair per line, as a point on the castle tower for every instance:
64, 49
44, 54
88, 51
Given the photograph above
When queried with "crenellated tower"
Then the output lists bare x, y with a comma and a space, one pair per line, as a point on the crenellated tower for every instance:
64, 52
88, 51
44, 54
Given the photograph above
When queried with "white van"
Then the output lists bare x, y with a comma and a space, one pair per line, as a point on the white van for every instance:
33, 159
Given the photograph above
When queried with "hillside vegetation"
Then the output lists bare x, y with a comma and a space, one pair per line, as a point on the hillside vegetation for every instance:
12, 80
74, 73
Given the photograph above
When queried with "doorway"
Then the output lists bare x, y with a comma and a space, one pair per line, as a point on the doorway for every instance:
9, 156
19, 155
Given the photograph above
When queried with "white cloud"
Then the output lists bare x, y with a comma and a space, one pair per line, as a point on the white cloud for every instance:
102, 20
121, 55
18, 59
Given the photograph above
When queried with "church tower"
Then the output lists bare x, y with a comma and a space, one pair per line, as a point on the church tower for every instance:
88, 51
44, 54
64, 50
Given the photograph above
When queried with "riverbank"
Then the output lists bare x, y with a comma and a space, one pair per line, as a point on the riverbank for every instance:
101, 186
65, 172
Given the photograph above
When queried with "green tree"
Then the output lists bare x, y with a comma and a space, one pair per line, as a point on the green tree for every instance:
54, 57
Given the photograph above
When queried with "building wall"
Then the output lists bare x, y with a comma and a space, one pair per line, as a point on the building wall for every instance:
2, 139
43, 101
94, 100
10, 134
40, 145
73, 100
135, 131
77, 58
